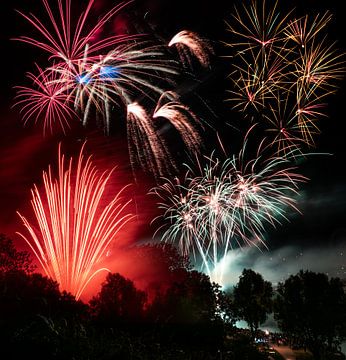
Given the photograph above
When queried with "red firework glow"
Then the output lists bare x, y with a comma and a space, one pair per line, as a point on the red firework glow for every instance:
74, 228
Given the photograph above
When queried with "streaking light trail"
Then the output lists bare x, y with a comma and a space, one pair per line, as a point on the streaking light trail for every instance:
64, 39
47, 100
190, 44
74, 223
226, 204
286, 65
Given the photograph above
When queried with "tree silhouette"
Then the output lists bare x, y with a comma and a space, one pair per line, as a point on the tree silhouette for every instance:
311, 310
252, 299
226, 308
34, 314
13, 260
187, 313
167, 264
118, 302
191, 300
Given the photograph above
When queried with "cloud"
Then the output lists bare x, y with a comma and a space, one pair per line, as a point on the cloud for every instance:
278, 264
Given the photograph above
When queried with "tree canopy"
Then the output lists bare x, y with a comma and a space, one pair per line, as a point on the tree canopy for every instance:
118, 301
252, 299
13, 260
311, 310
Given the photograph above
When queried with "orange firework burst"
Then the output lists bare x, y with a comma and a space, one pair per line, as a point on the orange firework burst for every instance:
283, 129
73, 226
257, 27
305, 29
283, 71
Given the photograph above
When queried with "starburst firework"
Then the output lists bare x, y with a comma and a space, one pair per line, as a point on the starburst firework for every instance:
227, 203
283, 60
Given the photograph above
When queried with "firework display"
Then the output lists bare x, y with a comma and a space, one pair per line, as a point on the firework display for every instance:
74, 226
283, 71
189, 43
227, 203
48, 100
89, 74
142, 135
284, 68
182, 118
93, 70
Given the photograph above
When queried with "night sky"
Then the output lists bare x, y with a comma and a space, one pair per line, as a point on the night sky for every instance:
315, 240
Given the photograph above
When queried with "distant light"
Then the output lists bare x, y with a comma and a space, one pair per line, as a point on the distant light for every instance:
266, 332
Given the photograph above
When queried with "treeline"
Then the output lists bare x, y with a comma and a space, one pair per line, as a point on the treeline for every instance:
188, 318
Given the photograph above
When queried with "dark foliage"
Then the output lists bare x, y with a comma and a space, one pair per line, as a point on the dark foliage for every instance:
188, 318
118, 302
187, 313
252, 299
36, 319
311, 310
13, 260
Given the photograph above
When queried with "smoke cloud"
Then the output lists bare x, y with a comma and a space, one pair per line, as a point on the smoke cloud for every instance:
276, 265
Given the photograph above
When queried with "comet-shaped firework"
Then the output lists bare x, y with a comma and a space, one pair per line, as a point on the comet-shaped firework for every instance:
145, 146
74, 223
227, 203
181, 117
190, 44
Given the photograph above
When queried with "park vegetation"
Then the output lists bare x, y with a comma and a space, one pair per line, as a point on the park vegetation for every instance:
190, 318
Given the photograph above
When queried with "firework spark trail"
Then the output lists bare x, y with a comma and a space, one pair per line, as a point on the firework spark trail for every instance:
48, 101
88, 76
180, 213
304, 30
136, 65
283, 61
181, 117
227, 203
189, 43
283, 129
96, 73
127, 71
319, 66
146, 148
256, 83
258, 27
73, 226
73, 49
67, 42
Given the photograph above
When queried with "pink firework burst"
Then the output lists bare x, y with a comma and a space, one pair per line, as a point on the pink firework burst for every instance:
64, 40
47, 101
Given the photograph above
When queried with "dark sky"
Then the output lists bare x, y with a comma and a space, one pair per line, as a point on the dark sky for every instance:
25, 153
